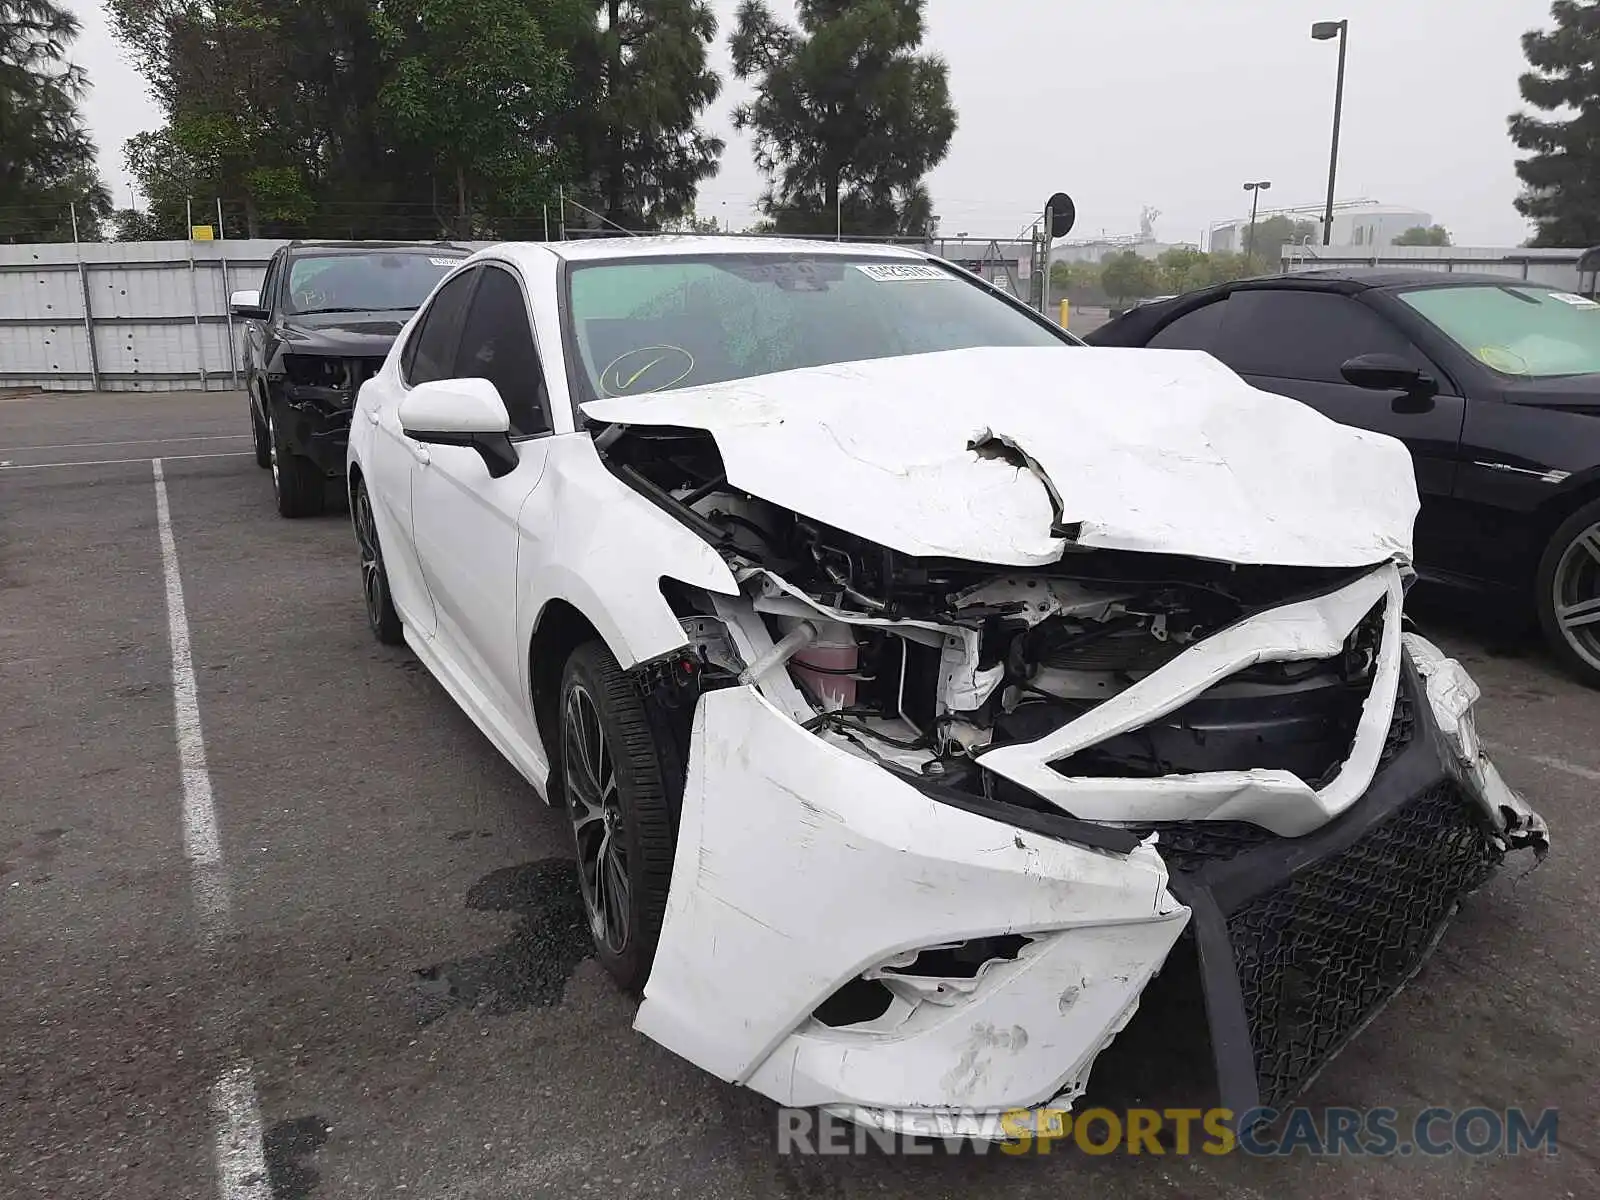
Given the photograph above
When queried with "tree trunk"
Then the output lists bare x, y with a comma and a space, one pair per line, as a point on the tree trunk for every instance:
463, 218
252, 217
613, 180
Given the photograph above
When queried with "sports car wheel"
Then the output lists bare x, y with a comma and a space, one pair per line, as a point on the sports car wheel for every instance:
612, 785
1569, 593
263, 444
296, 483
382, 618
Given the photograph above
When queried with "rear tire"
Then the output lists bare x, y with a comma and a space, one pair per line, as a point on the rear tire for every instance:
1568, 595
382, 618
613, 792
300, 488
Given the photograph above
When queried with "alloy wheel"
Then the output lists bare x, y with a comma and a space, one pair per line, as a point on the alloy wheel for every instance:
371, 557
272, 447
1576, 595
595, 807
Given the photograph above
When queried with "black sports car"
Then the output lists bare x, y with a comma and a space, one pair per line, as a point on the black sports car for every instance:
323, 321
1493, 383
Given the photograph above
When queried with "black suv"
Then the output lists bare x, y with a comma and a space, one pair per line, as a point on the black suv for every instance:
1493, 383
322, 323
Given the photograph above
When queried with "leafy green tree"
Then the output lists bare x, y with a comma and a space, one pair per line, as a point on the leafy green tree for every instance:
479, 89
1561, 172
1424, 235
1129, 276
1182, 269
847, 117
46, 157
224, 75
641, 82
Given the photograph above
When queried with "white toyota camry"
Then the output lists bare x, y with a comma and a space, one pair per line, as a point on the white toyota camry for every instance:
917, 681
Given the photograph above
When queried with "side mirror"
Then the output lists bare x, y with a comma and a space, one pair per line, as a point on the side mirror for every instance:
247, 304
461, 412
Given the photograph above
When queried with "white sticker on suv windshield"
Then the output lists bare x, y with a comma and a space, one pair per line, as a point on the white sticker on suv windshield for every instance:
894, 272
1573, 299
444, 262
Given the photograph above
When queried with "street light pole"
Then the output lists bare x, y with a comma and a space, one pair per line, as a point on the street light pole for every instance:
1255, 189
1324, 31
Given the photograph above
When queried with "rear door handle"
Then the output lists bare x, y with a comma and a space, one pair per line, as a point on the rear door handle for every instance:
372, 416
420, 453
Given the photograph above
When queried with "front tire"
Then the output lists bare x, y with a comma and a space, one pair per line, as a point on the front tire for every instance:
263, 445
382, 618
298, 486
1569, 594
614, 794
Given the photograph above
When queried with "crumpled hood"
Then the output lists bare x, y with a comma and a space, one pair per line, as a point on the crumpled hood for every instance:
1163, 451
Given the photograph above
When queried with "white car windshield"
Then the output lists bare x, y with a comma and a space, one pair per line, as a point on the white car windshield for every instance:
645, 325
1532, 332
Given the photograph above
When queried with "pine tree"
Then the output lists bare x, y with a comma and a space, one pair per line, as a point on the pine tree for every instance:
46, 156
1561, 174
642, 81
848, 118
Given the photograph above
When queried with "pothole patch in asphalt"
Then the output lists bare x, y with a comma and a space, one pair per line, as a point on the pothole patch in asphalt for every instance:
531, 968
289, 1147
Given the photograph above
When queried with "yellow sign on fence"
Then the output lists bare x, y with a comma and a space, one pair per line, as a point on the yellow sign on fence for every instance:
203, 233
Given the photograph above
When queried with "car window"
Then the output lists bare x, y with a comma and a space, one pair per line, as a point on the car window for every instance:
497, 345
269, 282
365, 281
431, 351
1525, 331
650, 325
1286, 334
1195, 330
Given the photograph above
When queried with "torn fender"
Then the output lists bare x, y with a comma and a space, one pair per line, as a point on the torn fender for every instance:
800, 866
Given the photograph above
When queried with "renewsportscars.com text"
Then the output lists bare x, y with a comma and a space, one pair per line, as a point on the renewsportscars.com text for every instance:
1431, 1132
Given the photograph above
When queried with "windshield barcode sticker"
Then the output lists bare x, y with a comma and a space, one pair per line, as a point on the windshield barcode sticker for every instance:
1573, 299
895, 272
444, 262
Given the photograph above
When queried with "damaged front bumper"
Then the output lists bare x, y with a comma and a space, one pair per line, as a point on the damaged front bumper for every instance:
837, 935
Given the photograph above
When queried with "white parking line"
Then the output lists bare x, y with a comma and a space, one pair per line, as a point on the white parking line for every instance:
240, 1161
111, 462
201, 437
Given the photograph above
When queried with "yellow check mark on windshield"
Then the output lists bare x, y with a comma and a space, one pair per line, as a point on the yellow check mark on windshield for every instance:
632, 379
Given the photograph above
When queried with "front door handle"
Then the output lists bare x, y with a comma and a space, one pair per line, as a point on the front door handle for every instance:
420, 453
372, 416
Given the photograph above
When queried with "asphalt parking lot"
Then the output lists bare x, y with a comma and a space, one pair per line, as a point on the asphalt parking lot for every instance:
377, 984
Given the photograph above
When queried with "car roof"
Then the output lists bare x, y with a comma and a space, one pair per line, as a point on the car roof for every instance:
1369, 278
384, 247
657, 245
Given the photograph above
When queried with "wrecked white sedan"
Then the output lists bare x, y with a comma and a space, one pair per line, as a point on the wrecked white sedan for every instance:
916, 678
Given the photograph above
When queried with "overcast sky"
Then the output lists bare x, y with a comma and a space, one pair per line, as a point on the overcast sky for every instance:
1168, 103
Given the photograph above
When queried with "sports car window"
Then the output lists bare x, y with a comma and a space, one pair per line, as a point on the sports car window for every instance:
650, 325
431, 351
1195, 330
1531, 332
497, 345
1285, 334
364, 281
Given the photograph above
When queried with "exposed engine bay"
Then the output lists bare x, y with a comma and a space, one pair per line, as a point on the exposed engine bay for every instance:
924, 664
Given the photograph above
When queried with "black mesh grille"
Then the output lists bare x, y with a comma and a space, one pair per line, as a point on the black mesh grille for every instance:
1319, 954
1190, 845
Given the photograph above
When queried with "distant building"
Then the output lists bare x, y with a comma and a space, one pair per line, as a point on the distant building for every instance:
1355, 224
